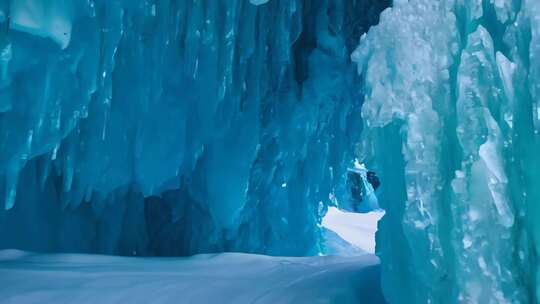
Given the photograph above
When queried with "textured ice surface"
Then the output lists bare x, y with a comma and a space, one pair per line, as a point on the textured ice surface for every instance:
452, 119
176, 127
224, 278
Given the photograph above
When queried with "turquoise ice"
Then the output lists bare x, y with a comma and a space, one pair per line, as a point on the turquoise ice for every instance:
143, 127
176, 127
452, 120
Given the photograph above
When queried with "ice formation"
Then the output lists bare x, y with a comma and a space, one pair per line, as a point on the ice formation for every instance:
180, 127
452, 114
176, 127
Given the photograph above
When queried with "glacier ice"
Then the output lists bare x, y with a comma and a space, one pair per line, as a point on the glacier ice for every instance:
169, 127
180, 127
451, 122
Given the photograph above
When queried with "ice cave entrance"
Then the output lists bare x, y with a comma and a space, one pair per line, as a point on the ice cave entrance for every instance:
349, 227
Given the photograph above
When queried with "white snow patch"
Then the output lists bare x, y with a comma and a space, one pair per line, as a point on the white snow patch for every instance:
45, 18
357, 229
211, 278
258, 2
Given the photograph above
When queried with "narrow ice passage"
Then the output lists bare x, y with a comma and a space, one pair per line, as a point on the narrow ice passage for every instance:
177, 128
184, 127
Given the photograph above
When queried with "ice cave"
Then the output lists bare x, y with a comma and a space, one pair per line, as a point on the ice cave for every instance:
270, 151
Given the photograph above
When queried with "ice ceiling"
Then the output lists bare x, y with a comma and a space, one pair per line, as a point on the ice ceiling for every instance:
178, 127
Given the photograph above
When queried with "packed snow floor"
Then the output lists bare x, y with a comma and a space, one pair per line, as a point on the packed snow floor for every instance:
220, 278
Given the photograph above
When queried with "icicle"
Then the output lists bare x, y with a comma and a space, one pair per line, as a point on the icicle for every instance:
12, 176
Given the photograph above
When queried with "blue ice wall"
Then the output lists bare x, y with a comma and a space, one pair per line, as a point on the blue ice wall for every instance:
175, 127
452, 117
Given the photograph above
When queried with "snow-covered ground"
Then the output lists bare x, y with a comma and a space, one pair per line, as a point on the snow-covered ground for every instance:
350, 233
349, 275
221, 278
